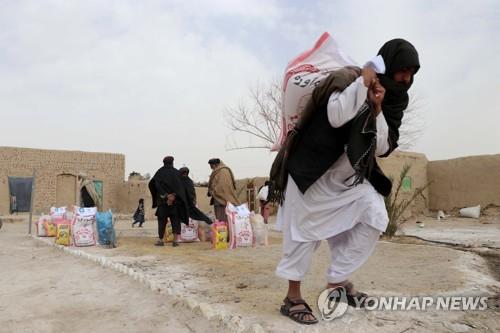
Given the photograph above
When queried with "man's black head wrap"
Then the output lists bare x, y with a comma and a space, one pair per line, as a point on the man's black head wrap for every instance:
168, 160
398, 54
184, 170
214, 161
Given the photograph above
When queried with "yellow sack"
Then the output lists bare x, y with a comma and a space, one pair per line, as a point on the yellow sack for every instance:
169, 234
63, 234
50, 228
219, 235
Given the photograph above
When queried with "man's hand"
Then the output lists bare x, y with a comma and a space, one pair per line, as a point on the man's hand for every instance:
376, 93
368, 76
170, 199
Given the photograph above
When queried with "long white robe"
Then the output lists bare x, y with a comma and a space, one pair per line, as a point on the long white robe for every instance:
330, 206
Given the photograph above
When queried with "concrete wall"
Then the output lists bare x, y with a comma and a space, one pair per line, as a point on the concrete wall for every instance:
466, 181
49, 164
392, 167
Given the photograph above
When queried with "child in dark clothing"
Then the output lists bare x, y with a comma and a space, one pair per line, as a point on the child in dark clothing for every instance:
139, 214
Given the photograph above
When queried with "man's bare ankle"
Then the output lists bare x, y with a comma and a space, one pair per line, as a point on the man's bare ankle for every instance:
294, 296
346, 284
337, 284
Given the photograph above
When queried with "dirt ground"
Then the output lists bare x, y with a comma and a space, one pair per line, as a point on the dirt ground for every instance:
482, 232
46, 290
242, 281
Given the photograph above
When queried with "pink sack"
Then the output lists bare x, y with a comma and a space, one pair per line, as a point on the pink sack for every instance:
82, 226
240, 228
40, 229
58, 212
82, 230
189, 233
303, 74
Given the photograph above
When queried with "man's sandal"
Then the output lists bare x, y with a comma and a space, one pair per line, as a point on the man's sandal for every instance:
298, 314
357, 299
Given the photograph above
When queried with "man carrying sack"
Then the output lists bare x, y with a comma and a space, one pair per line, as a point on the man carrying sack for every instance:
326, 177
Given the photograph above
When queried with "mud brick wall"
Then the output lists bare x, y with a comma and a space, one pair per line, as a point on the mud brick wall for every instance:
129, 194
131, 191
465, 181
417, 175
49, 164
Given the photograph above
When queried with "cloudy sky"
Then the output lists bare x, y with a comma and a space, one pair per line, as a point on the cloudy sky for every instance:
150, 78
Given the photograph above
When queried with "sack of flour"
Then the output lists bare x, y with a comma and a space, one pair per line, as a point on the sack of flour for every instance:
169, 233
260, 229
189, 233
82, 228
58, 212
85, 211
219, 235
63, 236
302, 75
204, 231
50, 228
240, 229
40, 229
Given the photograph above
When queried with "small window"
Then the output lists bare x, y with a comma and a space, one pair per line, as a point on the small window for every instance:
406, 185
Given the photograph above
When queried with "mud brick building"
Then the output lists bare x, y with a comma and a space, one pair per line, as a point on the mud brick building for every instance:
455, 183
57, 177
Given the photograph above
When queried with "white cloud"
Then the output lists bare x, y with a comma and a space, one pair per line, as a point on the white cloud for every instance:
457, 42
141, 85
151, 78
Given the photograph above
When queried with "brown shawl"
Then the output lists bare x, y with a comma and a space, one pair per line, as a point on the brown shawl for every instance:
337, 81
222, 186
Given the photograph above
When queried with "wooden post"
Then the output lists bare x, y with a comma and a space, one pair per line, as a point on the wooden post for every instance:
77, 190
32, 202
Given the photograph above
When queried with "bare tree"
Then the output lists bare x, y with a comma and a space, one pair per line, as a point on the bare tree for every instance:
260, 119
413, 124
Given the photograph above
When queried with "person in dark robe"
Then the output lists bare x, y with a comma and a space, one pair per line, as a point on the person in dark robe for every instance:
139, 214
194, 212
169, 199
189, 184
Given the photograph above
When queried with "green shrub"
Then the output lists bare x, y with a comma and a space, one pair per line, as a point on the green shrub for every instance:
396, 208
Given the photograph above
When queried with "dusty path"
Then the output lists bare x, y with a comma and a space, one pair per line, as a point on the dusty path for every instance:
242, 282
484, 232
46, 290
